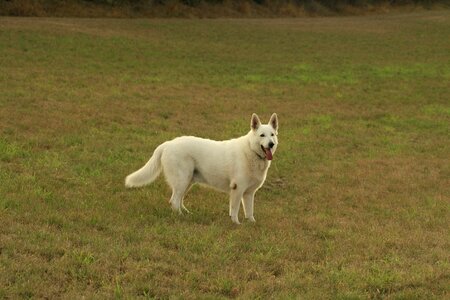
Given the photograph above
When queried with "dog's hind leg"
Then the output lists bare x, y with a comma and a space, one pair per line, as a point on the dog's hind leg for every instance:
176, 199
184, 207
182, 199
180, 185
179, 177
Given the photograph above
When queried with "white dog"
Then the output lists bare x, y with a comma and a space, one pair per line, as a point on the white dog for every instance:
237, 166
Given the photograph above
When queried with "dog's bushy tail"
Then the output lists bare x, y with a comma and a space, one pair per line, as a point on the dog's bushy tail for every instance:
148, 173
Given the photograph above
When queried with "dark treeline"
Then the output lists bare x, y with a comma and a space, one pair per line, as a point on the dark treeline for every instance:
327, 3
206, 8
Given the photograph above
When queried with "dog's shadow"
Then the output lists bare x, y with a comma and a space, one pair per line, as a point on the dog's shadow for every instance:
199, 216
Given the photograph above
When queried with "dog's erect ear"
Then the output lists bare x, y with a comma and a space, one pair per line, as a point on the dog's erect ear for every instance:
255, 123
274, 121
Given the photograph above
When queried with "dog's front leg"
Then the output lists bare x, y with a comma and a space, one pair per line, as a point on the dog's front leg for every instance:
247, 203
235, 202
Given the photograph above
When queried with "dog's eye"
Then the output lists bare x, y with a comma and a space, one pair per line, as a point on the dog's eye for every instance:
272, 134
262, 135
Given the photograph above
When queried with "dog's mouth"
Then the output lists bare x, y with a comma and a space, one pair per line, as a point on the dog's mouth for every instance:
267, 152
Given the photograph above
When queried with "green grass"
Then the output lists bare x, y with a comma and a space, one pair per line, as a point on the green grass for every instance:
356, 204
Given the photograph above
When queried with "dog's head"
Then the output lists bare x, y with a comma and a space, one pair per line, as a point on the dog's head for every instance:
263, 138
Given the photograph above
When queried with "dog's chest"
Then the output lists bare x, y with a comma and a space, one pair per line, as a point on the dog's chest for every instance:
257, 169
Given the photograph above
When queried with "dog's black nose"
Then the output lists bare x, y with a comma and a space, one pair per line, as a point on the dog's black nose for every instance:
271, 145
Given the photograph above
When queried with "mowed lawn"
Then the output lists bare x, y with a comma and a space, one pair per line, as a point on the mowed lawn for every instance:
357, 201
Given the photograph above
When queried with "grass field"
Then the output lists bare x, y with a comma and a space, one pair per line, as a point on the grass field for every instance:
357, 201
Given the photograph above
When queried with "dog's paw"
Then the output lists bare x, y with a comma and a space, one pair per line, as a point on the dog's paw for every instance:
251, 219
186, 210
235, 220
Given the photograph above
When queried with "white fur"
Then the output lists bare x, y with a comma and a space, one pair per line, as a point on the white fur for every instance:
237, 166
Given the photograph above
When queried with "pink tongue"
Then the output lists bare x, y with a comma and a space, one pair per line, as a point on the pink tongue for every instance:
268, 154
